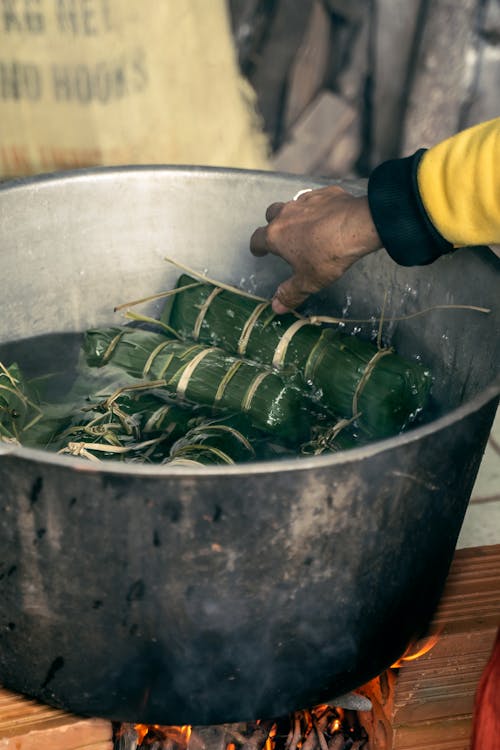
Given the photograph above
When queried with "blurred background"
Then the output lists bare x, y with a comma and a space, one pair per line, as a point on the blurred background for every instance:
345, 84
329, 87
321, 87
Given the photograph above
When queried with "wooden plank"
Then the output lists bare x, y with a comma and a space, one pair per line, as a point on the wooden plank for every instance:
344, 153
485, 98
284, 35
26, 724
445, 67
313, 136
453, 734
309, 68
351, 80
351, 10
443, 685
429, 702
393, 30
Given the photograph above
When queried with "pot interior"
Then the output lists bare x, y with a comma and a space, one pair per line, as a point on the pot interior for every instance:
76, 245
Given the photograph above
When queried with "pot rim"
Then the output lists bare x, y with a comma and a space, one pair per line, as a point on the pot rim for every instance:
299, 463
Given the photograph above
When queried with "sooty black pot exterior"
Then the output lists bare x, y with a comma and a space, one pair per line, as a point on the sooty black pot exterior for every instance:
174, 596
219, 598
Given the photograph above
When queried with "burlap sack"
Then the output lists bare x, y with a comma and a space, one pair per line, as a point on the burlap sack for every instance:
86, 82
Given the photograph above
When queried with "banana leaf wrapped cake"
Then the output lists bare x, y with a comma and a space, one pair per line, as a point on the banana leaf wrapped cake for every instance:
224, 381
206, 375
351, 376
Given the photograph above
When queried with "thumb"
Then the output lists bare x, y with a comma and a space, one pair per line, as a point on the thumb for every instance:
289, 295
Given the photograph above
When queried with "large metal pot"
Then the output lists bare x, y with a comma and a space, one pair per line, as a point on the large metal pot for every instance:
177, 596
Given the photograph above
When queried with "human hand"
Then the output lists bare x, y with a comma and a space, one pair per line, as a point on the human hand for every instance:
320, 235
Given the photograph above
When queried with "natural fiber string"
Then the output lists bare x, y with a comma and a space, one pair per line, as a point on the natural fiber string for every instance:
282, 347
111, 347
156, 351
322, 443
130, 315
249, 326
249, 395
232, 431
207, 448
155, 421
327, 319
366, 375
8, 375
189, 370
153, 297
207, 280
314, 358
226, 379
190, 350
203, 311
15, 392
315, 319
129, 388
228, 287
79, 449
182, 462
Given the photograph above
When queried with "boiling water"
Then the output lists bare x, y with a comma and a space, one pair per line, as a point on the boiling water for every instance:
54, 363
52, 360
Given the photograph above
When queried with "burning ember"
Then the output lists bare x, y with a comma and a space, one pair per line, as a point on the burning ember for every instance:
321, 728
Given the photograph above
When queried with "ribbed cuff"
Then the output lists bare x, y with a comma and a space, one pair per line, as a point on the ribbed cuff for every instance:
403, 225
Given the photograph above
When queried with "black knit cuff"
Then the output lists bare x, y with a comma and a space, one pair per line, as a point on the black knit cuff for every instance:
403, 225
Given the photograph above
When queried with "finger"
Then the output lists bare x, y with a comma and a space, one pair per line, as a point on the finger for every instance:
279, 308
258, 242
273, 210
288, 296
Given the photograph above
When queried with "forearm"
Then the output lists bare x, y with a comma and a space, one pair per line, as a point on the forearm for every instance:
448, 196
418, 208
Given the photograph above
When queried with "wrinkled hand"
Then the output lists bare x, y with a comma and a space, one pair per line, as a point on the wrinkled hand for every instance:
320, 235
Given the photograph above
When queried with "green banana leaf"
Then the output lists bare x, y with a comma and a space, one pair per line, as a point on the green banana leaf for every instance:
350, 376
206, 375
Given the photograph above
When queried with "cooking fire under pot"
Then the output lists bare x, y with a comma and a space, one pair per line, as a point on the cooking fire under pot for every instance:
178, 595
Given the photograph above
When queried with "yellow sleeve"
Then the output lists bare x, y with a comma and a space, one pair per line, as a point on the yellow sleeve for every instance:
459, 185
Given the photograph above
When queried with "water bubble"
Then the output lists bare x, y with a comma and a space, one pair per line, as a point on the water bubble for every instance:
410, 291
348, 302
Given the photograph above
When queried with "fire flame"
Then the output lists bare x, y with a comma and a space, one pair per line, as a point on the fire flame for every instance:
180, 735
424, 649
270, 740
323, 721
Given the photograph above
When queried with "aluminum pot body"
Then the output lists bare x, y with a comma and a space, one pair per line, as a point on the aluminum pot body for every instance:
221, 594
